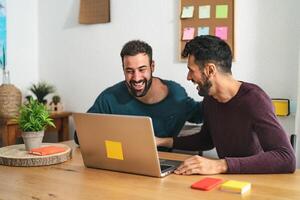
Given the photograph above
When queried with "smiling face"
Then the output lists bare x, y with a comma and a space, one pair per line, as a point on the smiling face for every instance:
138, 74
198, 77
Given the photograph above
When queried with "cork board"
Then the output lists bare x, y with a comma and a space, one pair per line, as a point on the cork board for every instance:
213, 17
94, 11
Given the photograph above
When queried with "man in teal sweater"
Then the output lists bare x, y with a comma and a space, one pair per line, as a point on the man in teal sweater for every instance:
166, 102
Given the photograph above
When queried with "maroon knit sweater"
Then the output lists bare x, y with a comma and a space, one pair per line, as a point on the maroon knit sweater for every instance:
245, 132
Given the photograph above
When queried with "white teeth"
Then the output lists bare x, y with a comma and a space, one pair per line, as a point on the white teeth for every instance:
139, 84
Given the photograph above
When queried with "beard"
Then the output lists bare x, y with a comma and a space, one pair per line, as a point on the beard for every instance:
138, 93
203, 89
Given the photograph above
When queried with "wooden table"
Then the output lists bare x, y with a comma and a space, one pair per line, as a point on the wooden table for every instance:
9, 130
71, 180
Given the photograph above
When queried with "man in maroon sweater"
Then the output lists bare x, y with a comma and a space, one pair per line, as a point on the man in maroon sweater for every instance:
239, 119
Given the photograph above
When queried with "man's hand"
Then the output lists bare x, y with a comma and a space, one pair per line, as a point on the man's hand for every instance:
201, 165
164, 142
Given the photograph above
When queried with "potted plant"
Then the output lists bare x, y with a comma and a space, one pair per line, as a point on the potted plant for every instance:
41, 90
33, 119
55, 105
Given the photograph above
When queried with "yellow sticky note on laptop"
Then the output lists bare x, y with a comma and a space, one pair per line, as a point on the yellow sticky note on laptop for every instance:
114, 150
236, 186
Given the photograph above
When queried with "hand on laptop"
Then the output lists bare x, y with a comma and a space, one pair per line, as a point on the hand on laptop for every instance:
200, 165
165, 142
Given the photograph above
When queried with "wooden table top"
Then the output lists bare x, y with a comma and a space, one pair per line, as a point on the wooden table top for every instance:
71, 180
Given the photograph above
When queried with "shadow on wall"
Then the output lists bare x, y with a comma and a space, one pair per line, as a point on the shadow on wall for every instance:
73, 15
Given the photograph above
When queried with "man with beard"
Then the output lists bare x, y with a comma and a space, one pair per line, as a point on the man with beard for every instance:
166, 102
239, 120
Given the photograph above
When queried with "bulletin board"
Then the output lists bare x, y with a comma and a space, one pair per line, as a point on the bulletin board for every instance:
206, 17
94, 11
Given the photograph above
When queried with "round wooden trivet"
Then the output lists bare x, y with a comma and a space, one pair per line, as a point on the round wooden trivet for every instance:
16, 155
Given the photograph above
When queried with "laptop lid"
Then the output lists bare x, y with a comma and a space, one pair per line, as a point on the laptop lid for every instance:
120, 143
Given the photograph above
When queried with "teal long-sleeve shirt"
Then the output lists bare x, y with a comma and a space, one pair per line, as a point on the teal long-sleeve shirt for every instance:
168, 116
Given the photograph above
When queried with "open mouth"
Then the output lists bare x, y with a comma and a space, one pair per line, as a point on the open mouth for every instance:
138, 85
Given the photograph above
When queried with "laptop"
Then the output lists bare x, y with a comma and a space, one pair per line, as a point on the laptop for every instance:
120, 143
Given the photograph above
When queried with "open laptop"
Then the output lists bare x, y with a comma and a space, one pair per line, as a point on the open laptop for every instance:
120, 143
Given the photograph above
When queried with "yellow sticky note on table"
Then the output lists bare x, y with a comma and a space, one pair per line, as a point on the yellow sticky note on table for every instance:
114, 150
236, 186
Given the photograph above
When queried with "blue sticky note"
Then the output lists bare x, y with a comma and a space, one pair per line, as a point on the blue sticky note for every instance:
203, 30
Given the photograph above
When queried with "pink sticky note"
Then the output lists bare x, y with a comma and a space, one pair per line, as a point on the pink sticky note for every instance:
188, 33
221, 32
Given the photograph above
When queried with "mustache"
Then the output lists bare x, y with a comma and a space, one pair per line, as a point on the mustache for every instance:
140, 81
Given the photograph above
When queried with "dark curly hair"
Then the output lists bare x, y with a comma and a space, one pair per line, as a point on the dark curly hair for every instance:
208, 48
135, 47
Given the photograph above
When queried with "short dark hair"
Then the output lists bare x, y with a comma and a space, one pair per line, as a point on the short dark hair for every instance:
135, 47
208, 48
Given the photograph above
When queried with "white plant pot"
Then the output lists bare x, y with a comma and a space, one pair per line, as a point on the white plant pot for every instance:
32, 139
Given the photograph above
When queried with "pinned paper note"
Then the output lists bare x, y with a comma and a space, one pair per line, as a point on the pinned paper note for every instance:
204, 12
188, 33
282, 106
187, 12
203, 30
114, 150
221, 11
222, 32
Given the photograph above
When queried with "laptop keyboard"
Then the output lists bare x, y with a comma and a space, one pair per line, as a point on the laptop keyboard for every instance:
164, 167
166, 164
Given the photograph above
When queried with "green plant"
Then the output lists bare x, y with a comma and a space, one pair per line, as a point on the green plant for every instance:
56, 99
34, 116
41, 89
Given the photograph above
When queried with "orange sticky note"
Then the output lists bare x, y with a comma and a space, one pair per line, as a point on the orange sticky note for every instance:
47, 150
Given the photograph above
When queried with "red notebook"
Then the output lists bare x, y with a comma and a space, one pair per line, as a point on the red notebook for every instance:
207, 183
48, 150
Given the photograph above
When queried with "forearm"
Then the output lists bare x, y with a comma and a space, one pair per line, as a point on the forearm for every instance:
164, 142
280, 161
222, 166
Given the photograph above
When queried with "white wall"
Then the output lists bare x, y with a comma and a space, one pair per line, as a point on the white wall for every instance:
82, 60
22, 42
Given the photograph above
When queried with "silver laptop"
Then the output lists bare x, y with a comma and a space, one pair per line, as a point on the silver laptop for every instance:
120, 143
